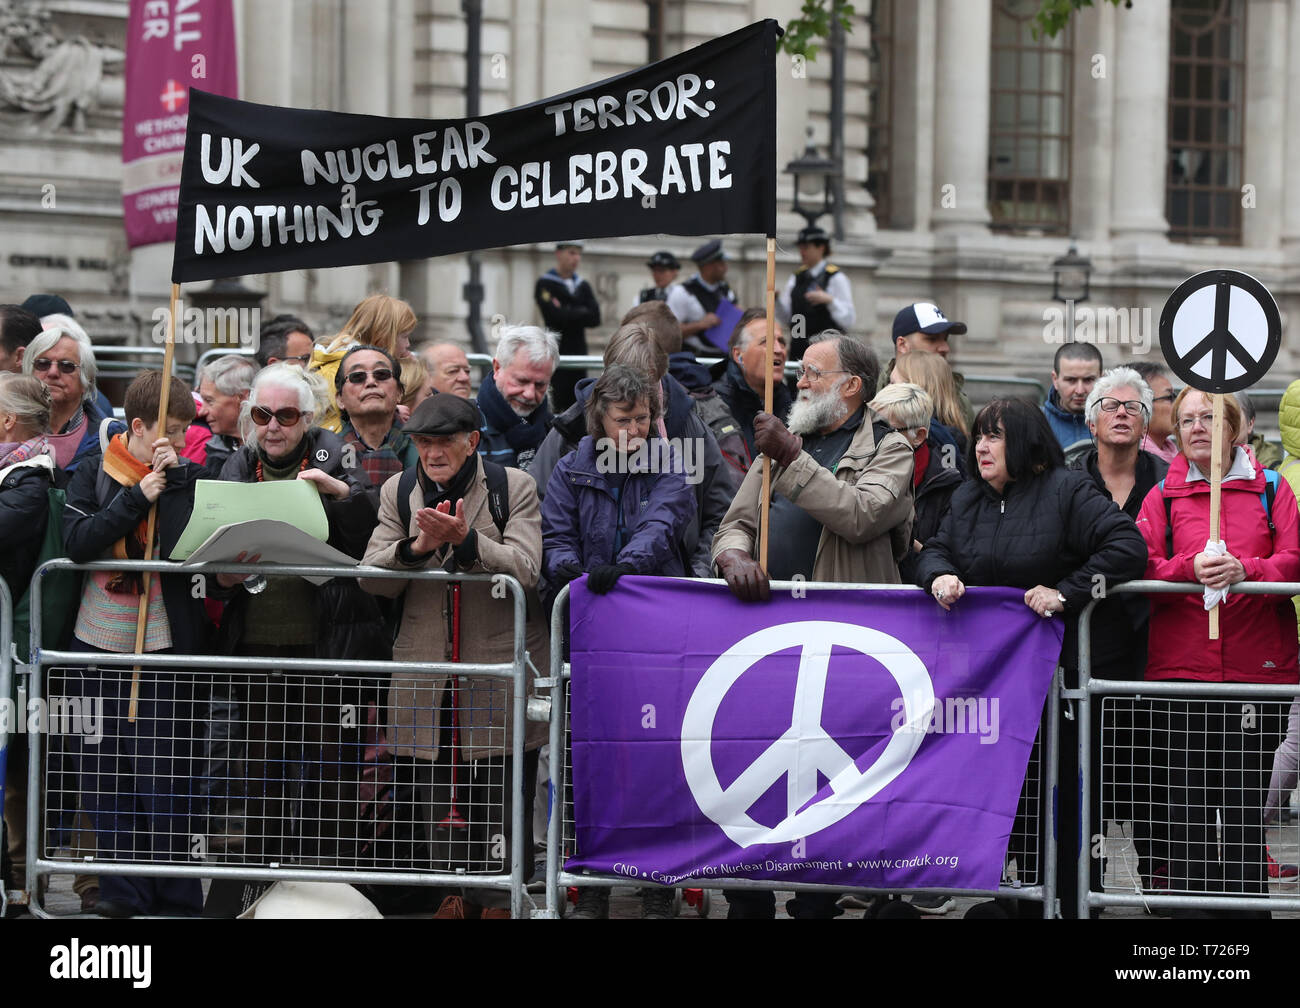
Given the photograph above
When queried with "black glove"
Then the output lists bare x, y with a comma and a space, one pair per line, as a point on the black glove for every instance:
744, 576
563, 574
603, 578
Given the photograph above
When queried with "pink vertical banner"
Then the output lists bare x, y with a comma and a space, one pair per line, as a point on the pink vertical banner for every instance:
171, 45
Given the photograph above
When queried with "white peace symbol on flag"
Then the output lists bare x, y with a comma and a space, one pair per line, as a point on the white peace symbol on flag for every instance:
805, 748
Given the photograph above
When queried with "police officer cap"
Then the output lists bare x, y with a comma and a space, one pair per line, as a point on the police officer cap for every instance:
443, 413
710, 251
568, 244
664, 259
812, 234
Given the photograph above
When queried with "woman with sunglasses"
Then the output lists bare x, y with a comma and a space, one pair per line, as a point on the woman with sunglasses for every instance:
292, 726
62, 357
1216, 752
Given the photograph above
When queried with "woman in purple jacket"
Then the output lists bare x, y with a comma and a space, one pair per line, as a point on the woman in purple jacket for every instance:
618, 504
621, 500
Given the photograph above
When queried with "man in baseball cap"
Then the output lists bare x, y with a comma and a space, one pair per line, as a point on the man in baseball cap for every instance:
663, 268
923, 326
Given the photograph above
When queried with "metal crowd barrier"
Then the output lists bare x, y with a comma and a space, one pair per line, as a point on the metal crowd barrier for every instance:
1128, 728
1035, 865
125, 361
6, 694
290, 691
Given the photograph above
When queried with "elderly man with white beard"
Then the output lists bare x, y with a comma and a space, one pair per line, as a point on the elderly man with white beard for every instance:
841, 510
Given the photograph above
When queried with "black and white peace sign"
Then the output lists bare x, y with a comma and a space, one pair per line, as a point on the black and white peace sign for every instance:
1220, 331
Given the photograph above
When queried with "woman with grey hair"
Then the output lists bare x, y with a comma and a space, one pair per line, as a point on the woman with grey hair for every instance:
1118, 411
62, 357
223, 386
618, 505
293, 735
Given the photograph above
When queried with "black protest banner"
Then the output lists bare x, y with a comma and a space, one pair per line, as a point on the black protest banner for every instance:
684, 146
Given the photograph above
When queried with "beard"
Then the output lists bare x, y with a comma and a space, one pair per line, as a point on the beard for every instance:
813, 412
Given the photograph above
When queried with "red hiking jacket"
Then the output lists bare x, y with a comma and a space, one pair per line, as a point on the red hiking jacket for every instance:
1257, 633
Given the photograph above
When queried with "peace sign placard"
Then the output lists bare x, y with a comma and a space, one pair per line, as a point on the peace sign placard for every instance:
1220, 331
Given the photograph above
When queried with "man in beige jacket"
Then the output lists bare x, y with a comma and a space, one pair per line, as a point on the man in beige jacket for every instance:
841, 484
452, 526
841, 511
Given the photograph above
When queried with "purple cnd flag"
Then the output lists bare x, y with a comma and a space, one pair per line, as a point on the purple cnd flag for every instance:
855, 738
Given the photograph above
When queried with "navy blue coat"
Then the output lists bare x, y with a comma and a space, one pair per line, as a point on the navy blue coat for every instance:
580, 515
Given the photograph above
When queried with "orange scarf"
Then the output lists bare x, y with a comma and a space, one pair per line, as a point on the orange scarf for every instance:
127, 470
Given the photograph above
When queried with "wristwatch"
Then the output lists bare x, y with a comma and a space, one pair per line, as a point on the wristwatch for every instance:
1061, 598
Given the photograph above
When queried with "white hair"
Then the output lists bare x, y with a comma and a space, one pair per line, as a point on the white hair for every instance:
57, 327
281, 375
1117, 378
230, 375
541, 345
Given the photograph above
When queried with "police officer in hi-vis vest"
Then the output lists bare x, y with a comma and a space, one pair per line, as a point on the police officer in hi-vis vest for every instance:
663, 268
818, 292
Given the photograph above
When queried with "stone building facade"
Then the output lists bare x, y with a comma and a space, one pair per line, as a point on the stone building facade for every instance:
1158, 137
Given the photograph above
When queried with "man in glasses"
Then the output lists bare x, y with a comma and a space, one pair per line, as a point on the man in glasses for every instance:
512, 399
1075, 370
285, 338
368, 387
841, 509
1159, 438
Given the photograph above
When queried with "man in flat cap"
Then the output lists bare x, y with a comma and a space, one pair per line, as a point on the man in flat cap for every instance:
696, 301
463, 514
664, 268
569, 308
818, 293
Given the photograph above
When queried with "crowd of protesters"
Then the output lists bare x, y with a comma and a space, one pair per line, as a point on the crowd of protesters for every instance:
881, 475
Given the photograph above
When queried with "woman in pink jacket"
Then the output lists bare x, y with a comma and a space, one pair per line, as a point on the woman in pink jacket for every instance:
1216, 752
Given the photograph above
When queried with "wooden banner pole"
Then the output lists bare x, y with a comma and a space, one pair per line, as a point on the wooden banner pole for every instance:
1216, 490
764, 502
164, 395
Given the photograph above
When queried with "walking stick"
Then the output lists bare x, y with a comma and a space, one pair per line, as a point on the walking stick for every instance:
764, 501
454, 820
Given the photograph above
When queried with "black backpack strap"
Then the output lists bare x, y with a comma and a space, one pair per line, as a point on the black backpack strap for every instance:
498, 490
1270, 491
406, 484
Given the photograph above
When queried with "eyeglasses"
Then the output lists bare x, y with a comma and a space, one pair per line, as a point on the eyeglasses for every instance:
1167, 397
286, 417
303, 359
359, 376
43, 364
1132, 407
1204, 419
814, 374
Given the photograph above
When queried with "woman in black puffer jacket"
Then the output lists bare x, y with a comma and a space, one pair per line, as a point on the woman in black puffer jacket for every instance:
1025, 521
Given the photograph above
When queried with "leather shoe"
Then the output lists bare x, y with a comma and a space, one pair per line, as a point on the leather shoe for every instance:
116, 909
